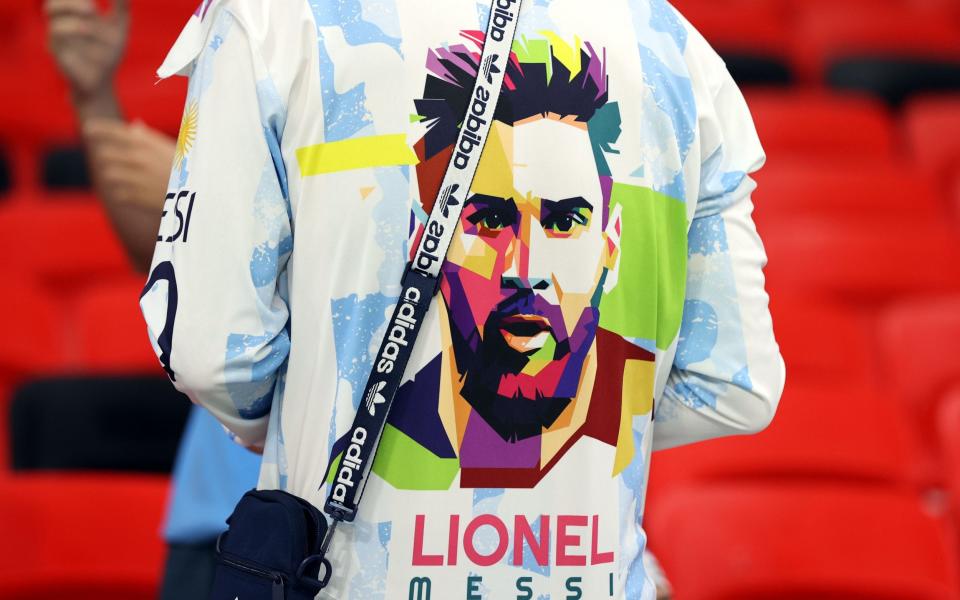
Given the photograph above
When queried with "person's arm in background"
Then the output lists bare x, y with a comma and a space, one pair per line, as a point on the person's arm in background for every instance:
727, 375
214, 302
129, 164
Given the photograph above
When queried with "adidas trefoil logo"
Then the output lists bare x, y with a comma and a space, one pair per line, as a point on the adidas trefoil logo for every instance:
375, 398
447, 199
490, 68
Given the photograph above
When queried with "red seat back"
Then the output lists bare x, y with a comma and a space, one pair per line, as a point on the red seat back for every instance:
740, 25
5, 441
63, 243
76, 536
111, 335
837, 190
870, 261
932, 129
753, 541
817, 124
919, 344
32, 324
825, 33
802, 328
154, 27
948, 424
830, 431
42, 117
954, 193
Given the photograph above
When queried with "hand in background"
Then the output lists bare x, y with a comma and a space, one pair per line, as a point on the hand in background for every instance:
87, 45
130, 164
130, 161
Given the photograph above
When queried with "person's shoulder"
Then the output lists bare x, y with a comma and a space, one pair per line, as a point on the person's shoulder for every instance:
703, 62
268, 21
271, 28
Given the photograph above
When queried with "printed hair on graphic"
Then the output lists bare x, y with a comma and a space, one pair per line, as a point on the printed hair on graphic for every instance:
543, 76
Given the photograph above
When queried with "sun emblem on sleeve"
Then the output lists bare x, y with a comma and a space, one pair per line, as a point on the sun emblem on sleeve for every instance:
188, 132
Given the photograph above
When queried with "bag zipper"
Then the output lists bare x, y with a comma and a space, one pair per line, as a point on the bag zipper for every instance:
276, 577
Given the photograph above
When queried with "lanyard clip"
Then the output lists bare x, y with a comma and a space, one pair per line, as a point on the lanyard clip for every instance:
340, 512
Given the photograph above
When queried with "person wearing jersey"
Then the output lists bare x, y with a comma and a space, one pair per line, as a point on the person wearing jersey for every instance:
603, 296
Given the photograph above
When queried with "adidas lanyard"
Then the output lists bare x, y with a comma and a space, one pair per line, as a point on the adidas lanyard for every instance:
421, 278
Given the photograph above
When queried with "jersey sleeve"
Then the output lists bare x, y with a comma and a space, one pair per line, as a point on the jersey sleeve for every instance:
215, 303
727, 374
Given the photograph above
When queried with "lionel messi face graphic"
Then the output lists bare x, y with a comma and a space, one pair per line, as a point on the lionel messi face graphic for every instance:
535, 245
523, 278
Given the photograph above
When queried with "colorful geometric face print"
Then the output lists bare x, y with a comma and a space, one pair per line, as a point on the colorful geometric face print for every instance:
525, 369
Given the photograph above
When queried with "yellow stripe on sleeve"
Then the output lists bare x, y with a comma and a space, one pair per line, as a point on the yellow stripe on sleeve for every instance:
372, 151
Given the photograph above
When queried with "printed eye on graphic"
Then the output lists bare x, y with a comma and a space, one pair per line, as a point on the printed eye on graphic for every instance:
489, 215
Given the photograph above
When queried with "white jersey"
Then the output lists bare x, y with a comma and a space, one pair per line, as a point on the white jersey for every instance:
603, 296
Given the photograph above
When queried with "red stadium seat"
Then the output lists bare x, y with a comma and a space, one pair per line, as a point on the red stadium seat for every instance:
32, 343
803, 329
955, 200
747, 34
948, 424
830, 431
60, 242
84, 537
919, 346
844, 191
32, 325
939, 7
5, 387
159, 104
759, 541
827, 31
111, 336
932, 128
11, 16
738, 24
154, 27
827, 126
792, 8
870, 261
39, 118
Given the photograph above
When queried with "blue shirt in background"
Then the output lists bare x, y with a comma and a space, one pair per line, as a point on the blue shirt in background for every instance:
210, 475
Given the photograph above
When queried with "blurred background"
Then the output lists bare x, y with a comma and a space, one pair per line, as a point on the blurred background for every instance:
852, 493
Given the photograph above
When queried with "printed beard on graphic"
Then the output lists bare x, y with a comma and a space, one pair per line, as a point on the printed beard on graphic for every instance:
484, 361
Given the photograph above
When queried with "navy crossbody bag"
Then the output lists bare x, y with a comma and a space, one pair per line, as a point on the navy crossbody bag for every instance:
276, 544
